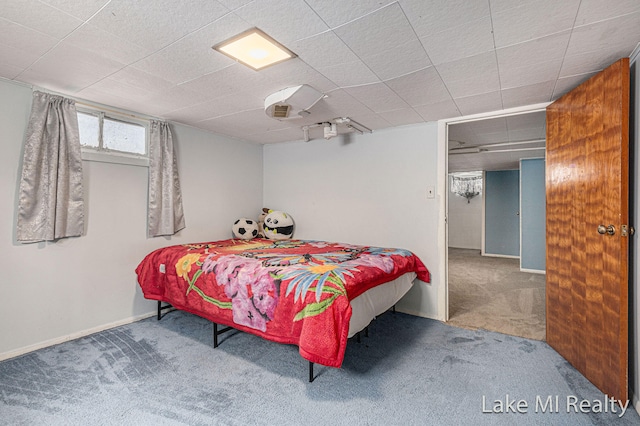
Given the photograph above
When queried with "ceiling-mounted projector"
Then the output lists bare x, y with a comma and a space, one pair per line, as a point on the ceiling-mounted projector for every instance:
292, 102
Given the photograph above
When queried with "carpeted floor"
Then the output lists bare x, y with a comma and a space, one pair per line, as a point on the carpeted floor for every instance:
409, 371
491, 293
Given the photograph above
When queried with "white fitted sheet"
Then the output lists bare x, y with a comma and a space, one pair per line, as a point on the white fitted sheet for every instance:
377, 300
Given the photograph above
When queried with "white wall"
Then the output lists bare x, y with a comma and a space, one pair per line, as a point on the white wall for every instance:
54, 291
465, 221
367, 189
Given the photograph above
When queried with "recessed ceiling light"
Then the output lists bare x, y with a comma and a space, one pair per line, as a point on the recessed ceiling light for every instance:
255, 49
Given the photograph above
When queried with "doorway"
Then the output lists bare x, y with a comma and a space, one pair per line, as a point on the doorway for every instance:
490, 281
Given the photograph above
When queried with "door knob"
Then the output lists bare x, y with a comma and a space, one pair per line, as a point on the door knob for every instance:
611, 230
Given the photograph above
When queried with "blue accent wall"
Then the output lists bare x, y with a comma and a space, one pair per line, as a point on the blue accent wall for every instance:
532, 214
502, 204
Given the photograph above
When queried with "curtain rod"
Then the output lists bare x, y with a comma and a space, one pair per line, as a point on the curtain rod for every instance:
99, 106
114, 111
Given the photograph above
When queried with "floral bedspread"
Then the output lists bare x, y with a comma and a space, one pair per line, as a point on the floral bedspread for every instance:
290, 291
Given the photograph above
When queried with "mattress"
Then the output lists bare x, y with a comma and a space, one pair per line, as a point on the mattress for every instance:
378, 300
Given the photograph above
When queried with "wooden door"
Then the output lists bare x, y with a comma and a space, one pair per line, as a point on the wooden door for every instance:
587, 186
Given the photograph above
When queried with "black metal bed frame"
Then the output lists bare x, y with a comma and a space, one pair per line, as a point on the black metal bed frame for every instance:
217, 332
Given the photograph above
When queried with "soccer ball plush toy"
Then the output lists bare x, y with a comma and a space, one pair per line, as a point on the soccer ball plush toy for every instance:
265, 211
245, 229
278, 226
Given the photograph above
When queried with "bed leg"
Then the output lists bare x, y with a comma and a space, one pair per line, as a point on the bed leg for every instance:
393, 309
310, 372
159, 310
358, 337
366, 331
217, 332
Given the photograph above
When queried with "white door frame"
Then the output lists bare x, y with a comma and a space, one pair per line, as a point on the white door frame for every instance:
443, 206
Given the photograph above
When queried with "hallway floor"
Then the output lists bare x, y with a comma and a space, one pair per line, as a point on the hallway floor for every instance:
491, 293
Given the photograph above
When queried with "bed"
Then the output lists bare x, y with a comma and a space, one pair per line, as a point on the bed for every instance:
313, 294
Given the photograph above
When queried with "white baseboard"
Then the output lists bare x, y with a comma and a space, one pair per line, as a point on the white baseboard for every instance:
507, 256
533, 271
636, 402
73, 336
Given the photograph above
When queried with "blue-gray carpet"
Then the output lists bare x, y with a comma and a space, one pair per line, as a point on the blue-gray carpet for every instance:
409, 371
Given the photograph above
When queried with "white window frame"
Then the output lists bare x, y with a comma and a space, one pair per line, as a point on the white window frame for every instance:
106, 155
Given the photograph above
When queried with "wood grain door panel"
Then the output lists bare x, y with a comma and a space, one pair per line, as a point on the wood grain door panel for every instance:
587, 185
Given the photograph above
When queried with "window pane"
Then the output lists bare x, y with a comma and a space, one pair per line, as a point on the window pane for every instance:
89, 128
122, 136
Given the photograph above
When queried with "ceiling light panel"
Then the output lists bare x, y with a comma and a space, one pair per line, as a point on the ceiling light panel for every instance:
254, 49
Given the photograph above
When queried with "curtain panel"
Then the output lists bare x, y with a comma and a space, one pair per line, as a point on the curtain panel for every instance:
50, 204
165, 212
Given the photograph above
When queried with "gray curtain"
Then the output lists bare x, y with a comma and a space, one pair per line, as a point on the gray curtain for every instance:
50, 204
165, 198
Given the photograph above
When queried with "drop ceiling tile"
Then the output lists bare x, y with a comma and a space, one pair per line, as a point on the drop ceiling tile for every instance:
54, 71
80, 9
275, 136
619, 34
378, 97
216, 108
539, 72
106, 44
484, 102
284, 20
349, 74
175, 98
323, 50
438, 110
121, 89
565, 84
40, 17
497, 125
529, 126
515, 22
371, 120
407, 58
527, 95
9, 71
471, 76
234, 4
434, 16
134, 77
420, 88
230, 80
460, 135
295, 72
25, 39
533, 51
18, 58
593, 11
193, 56
245, 123
529, 120
402, 117
158, 26
460, 41
108, 97
528, 135
339, 13
342, 104
380, 31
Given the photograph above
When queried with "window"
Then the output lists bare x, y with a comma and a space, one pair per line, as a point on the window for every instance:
111, 137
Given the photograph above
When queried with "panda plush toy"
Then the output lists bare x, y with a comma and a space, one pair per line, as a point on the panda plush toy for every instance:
245, 229
278, 225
